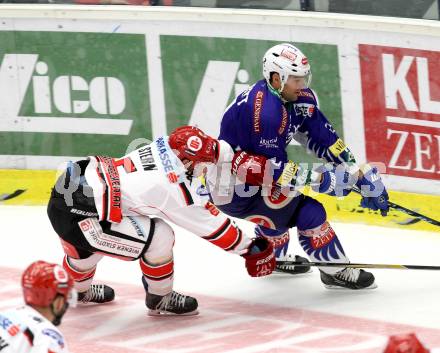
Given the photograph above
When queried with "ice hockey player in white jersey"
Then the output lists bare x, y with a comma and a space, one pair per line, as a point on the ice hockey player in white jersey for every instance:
104, 206
47, 292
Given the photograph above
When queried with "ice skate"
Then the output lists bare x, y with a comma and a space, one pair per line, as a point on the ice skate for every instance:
350, 278
171, 304
284, 265
97, 293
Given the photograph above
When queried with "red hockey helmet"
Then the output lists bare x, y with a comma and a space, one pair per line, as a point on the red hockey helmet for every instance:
405, 344
191, 143
42, 281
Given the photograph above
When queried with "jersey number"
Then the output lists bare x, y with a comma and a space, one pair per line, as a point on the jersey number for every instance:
127, 163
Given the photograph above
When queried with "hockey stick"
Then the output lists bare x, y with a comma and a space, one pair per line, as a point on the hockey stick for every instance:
5, 197
408, 211
355, 265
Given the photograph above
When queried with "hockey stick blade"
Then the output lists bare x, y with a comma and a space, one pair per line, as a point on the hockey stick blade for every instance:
358, 265
16, 193
408, 211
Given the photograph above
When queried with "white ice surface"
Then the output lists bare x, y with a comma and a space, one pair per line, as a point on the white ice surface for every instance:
403, 296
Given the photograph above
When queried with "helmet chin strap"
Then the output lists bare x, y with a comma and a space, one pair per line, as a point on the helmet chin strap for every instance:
57, 317
278, 91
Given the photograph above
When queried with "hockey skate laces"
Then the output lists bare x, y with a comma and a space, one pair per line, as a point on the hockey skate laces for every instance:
174, 298
349, 274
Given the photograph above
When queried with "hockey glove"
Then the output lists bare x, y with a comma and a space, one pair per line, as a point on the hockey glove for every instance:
260, 259
374, 194
249, 168
335, 180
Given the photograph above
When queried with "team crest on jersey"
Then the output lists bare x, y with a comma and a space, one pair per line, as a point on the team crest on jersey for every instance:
261, 220
276, 199
305, 110
258, 104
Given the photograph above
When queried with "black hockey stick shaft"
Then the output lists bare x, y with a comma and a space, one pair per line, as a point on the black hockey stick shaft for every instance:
357, 265
408, 211
414, 214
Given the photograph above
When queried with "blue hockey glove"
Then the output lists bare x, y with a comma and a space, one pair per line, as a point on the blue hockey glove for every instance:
373, 191
334, 180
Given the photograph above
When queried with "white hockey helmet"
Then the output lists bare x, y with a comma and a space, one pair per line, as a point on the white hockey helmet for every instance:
286, 60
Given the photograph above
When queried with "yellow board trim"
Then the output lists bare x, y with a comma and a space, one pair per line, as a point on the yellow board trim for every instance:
38, 185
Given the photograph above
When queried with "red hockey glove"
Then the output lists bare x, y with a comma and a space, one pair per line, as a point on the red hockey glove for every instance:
249, 168
260, 259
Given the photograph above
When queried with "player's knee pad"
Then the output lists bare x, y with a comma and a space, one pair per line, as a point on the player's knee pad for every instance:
161, 246
278, 238
157, 263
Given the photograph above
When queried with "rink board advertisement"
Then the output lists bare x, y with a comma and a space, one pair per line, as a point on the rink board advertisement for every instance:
213, 71
402, 112
72, 94
85, 83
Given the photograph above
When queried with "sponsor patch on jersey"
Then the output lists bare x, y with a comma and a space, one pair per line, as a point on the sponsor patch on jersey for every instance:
147, 159
111, 175
305, 110
337, 148
110, 243
165, 158
7, 325
277, 199
283, 122
258, 104
212, 208
83, 213
288, 173
305, 93
269, 143
56, 336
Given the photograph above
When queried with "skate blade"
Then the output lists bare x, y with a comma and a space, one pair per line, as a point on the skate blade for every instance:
168, 313
290, 272
333, 287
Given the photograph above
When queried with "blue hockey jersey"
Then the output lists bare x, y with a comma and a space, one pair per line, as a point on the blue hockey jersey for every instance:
258, 122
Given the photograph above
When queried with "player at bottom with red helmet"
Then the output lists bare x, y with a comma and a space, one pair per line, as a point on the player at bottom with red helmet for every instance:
121, 207
47, 292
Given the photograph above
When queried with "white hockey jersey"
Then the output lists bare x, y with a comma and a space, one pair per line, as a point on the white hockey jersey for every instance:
152, 181
25, 330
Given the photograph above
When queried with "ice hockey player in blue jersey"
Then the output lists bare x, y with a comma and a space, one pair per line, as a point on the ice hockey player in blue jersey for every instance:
259, 125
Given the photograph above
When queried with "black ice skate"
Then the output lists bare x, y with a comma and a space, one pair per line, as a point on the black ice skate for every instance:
97, 293
284, 265
171, 304
351, 278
